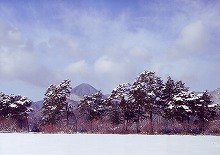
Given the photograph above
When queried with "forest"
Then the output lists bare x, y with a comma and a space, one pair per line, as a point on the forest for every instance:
148, 105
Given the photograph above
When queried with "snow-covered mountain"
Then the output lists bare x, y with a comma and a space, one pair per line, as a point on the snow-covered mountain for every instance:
216, 96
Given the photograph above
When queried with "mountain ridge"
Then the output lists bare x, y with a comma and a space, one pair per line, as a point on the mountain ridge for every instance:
84, 89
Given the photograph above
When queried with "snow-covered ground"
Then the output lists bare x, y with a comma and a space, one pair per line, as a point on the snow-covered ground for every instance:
87, 144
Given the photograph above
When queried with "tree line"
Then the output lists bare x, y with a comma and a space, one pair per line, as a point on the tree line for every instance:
147, 98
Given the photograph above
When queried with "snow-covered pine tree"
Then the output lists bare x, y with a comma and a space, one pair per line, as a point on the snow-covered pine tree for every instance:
119, 99
180, 106
55, 105
180, 87
186, 105
92, 106
4, 100
20, 108
115, 114
16, 107
171, 89
145, 96
204, 109
168, 93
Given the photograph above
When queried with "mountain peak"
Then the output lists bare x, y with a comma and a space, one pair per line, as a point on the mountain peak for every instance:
84, 89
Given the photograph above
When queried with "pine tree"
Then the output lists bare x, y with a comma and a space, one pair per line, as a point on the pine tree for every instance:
146, 93
174, 94
119, 98
92, 106
204, 109
115, 115
180, 87
55, 104
20, 108
167, 95
16, 107
180, 106
4, 102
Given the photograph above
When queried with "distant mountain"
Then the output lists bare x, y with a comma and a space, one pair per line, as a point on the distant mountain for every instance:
216, 96
107, 95
76, 95
35, 115
83, 89
79, 91
36, 106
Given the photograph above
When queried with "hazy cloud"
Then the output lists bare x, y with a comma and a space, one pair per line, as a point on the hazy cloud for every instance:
107, 43
17, 60
79, 67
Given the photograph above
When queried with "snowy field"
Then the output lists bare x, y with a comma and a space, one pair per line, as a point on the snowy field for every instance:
86, 144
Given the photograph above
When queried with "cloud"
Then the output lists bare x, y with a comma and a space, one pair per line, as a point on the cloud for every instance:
62, 44
139, 53
105, 65
22, 66
9, 35
17, 60
104, 45
112, 72
194, 36
79, 67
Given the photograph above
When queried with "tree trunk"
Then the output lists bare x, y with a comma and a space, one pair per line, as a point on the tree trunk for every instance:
126, 125
165, 124
151, 123
76, 121
137, 126
67, 115
203, 126
20, 122
188, 125
91, 126
27, 124
76, 126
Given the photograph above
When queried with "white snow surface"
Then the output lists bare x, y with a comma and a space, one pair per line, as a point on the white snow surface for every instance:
87, 144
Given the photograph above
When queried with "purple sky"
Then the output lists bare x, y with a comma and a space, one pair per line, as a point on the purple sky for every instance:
107, 42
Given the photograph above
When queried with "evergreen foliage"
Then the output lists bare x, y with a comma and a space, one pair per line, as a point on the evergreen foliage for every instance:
145, 96
92, 106
55, 104
15, 106
120, 99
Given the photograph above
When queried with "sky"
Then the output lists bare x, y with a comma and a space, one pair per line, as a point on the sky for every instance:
107, 42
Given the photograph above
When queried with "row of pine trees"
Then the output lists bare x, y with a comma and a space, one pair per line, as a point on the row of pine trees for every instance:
147, 97
129, 103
